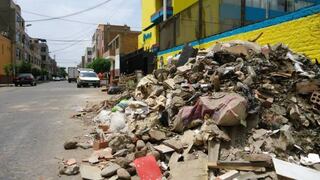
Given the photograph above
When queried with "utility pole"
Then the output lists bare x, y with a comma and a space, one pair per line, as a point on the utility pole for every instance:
267, 8
201, 23
243, 12
164, 10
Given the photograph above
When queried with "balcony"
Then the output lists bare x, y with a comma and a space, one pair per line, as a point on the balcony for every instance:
157, 17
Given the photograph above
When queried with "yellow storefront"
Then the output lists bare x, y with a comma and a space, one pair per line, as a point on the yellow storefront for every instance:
299, 30
150, 30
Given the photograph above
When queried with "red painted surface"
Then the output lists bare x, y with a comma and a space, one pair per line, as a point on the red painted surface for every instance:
147, 168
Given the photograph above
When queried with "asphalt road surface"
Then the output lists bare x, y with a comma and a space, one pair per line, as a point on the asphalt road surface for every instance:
34, 124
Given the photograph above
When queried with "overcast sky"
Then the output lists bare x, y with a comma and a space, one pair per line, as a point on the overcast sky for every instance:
117, 12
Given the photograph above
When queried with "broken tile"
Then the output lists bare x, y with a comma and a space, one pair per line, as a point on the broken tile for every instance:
90, 172
163, 149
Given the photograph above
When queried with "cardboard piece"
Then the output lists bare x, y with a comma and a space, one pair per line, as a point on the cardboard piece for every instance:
191, 170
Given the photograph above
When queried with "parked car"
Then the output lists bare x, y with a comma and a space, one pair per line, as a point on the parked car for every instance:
56, 78
88, 78
25, 78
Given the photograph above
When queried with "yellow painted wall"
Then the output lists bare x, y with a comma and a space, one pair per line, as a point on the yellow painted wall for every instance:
5, 53
211, 17
180, 5
149, 7
301, 35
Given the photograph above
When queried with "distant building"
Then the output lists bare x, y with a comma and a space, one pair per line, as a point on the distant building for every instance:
23, 47
124, 43
47, 62
13, 26
104, 34
88, 56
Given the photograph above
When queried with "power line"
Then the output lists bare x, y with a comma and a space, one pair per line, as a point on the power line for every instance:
69, 20
69, 40
72, 14
67, 47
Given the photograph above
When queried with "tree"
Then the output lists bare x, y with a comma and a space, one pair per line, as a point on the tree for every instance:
8, 70
100, 65
24, 67
36, 72
62, 72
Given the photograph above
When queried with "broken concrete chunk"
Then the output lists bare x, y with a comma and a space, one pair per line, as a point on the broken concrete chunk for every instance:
140, 145
174, 159
123, 174
122, 162
174, 144
70, 170
141, 153
259, 133
110, 170
169, 83
93, 160
157, 135
90, 172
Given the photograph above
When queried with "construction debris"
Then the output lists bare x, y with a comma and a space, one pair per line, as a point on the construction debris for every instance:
222, 113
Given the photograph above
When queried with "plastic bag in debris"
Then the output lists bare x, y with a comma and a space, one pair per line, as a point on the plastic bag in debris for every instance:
121, 106
103, 117
137, 108
118, 122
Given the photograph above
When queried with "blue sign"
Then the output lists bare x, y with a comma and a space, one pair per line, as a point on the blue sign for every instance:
147, 36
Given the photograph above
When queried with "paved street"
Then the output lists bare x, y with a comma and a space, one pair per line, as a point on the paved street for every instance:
34, 123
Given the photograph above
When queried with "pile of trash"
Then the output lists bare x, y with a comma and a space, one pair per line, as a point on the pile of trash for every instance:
236, 110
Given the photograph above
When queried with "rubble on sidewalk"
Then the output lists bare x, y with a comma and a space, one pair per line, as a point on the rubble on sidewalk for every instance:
231, 111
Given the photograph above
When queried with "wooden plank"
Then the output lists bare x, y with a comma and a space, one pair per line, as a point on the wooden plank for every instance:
213, 151
239, 165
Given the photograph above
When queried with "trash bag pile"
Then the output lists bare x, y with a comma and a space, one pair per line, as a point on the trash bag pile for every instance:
236, 110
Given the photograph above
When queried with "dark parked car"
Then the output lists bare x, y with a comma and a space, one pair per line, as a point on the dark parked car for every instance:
26, 78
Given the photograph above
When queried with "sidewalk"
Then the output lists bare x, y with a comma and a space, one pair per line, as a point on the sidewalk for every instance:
12, 85
6, 85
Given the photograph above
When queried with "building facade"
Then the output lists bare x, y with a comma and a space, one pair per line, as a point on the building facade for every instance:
12, 24
5, 58
48, 63
23, 47
104, 34
124, 43
201, 23
88, 56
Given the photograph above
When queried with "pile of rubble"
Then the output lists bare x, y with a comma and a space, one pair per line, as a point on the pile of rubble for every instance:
233, 111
